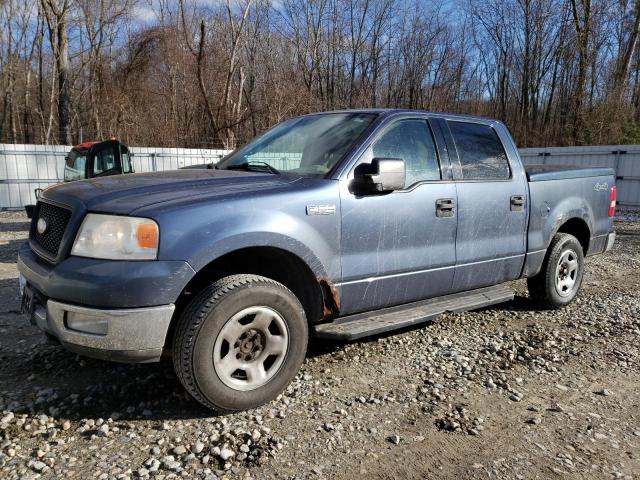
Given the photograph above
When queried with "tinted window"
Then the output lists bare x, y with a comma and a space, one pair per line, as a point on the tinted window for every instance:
480, 151
104, 161
411, 141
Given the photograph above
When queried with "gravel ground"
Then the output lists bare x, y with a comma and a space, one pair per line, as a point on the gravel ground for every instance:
505, 392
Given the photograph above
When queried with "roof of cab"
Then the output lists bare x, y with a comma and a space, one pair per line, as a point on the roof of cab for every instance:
84, 146
395, 111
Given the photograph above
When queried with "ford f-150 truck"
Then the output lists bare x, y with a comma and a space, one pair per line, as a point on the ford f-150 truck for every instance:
336, 225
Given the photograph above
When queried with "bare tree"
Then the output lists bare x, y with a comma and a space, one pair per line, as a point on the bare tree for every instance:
216, 73
56, 13
627, 50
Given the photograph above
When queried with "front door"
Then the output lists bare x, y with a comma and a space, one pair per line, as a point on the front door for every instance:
400, 246
492, 210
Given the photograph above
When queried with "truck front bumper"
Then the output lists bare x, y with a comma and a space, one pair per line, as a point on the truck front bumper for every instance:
113, 310
111, 284
121, 335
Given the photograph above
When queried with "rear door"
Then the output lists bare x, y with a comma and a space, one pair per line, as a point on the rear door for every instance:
399, 247
492, 212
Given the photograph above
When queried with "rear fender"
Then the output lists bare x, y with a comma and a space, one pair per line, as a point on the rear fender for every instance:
549, 221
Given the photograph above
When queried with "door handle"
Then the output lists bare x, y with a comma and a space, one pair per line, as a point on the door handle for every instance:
445, 207
517, 203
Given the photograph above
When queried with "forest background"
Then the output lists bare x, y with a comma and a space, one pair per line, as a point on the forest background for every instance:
209, 73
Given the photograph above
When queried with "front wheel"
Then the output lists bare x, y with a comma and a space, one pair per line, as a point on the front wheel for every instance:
560, 278
240, 342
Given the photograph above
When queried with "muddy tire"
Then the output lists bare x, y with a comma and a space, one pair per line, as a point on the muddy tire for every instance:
560, 278
240, 342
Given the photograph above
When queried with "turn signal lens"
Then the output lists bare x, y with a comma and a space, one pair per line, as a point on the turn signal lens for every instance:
612, 201
148, 235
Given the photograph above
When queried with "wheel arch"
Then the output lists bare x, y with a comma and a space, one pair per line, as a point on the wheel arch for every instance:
577, 227
574, 225
317, 294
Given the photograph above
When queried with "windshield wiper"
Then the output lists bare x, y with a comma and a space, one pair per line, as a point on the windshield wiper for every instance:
254, 166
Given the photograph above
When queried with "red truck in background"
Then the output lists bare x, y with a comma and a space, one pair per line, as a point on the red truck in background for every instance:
94, 159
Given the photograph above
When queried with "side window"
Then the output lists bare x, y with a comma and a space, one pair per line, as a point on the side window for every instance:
104, 161
125, 160
410, 140
482, 156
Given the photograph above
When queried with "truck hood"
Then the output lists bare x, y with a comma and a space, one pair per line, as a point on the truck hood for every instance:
122, 194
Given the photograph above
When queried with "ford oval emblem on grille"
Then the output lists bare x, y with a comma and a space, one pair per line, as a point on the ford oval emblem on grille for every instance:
41, 225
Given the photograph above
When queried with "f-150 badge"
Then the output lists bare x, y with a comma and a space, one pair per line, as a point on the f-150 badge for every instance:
598, 187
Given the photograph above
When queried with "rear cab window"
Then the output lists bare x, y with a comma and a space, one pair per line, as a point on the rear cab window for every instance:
480, 151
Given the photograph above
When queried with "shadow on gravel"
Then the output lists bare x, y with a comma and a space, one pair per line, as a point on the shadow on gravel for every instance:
9, 296
319, 347
14, 227
518, 304
9, 250
38, 376
69, 386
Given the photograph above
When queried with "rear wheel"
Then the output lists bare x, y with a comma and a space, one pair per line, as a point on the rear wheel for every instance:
240, 342
560, 278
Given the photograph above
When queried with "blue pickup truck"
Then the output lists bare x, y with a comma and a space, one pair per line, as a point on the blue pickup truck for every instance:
334, 225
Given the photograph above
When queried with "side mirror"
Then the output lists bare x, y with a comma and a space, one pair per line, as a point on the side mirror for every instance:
382, 175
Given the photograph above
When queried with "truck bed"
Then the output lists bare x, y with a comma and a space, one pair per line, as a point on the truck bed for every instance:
542, 173
558, 193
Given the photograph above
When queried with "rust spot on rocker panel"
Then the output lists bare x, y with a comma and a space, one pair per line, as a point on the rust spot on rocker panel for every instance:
330, 297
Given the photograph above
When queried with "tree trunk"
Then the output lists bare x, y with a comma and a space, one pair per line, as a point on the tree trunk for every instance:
582, 25
64, 96
623, 65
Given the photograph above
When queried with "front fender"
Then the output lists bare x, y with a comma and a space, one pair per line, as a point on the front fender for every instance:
204, 235
228, 244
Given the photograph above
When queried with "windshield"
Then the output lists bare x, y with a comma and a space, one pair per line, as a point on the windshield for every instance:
310, 145
75, 166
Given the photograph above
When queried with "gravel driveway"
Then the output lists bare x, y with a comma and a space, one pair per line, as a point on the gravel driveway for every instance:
505, 392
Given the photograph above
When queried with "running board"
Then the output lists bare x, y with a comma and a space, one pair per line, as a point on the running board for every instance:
366, 324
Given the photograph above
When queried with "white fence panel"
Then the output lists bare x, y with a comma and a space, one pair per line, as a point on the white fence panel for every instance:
23, 168
624, 159
280, 161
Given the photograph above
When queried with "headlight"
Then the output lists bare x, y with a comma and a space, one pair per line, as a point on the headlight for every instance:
117, 238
